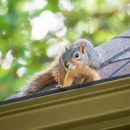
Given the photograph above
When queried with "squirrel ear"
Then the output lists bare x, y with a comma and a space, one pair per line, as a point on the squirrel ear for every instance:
81, 47
66, 48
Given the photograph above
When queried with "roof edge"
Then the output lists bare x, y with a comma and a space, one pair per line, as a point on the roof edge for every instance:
102, 105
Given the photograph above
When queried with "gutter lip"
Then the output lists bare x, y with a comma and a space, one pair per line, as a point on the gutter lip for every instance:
58, 90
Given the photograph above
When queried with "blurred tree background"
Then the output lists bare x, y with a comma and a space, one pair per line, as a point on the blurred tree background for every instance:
33, 31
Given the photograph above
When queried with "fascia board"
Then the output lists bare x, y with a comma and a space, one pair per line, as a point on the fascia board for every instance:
100, 106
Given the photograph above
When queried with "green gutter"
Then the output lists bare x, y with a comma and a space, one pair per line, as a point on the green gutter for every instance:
100, 106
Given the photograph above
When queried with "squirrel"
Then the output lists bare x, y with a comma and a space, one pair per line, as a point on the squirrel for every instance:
75, 65
78, 64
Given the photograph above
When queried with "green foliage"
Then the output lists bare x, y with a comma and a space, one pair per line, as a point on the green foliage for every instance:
23, 53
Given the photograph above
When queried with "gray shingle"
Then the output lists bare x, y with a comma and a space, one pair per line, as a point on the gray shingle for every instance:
112, 48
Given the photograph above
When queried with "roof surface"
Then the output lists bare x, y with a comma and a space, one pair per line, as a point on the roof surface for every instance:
116, 55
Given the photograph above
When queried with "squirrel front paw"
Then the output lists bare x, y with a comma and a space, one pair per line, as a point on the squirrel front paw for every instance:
60, 86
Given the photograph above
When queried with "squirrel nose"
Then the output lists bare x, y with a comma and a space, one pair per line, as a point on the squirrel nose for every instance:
66, 65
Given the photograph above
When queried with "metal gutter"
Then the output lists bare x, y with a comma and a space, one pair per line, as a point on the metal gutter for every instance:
100, 106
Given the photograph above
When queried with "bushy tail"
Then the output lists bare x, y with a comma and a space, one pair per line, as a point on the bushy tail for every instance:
37, 82
42, 79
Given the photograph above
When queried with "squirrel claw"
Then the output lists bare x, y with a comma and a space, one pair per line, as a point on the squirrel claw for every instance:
59, 86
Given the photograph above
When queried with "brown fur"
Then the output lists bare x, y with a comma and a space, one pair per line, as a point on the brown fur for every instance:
80, 75
77, 70
43, 78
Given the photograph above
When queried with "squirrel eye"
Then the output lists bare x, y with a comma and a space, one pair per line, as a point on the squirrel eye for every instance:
77, 55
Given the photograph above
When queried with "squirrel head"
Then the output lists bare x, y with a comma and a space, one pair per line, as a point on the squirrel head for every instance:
74, 57
81, 53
